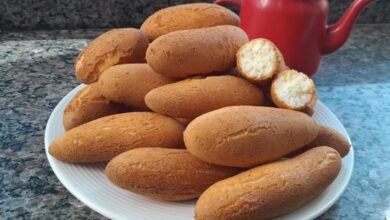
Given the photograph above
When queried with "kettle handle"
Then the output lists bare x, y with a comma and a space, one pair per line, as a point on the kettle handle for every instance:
236, 3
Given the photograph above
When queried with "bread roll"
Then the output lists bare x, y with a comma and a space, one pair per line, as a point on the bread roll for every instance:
184, 121
193, 97
259, 60
129, 83
187, 16
327, 137
270, 190
124, 45
196, 52
104, 138
87, 105
245, 136
167, 174
293, 90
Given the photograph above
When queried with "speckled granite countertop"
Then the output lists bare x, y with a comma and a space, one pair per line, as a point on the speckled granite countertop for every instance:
73, 14
36, 72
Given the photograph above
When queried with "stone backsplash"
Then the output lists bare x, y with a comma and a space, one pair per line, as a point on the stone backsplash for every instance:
75, 14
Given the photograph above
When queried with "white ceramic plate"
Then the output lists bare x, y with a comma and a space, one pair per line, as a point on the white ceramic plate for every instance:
89, 184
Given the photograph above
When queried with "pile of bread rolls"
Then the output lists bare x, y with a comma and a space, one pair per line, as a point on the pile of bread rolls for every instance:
188, 107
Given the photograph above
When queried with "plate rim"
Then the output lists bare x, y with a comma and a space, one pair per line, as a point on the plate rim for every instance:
345, 184
52, 164
110, 215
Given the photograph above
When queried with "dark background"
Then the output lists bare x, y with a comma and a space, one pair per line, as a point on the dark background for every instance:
75, 14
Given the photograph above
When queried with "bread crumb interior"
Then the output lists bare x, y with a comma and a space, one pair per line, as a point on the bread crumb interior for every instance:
294, 88
258, 59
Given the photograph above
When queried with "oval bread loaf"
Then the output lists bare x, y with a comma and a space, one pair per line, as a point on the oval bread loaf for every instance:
193, 97
328, 137
104, 138
245, 136
124, 45
167, 174
196, 52
129, 83
187, 16
87, 105
270, 190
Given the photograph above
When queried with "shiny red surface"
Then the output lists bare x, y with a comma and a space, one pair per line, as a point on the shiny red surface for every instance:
297, 27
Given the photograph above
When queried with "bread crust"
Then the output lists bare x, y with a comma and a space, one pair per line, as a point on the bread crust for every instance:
193, 97
186, 53
165, 174
104, 138
270, 190
129, 83
184, 121
246, 136
117, 46
187, 16
87, 105
327, 137
310, 107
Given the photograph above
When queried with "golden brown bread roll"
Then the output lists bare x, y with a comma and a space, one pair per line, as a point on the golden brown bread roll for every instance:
193, 97
167, 174
270, 190
129, 83
87, 105
124, 45
196, 52
259, 60
327, 137
245, 136
187, 16
104, 138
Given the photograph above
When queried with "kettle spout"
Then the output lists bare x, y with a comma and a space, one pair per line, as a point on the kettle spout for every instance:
338, 33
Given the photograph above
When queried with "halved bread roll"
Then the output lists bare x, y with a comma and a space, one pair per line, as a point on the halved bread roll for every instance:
258, 60
293, 90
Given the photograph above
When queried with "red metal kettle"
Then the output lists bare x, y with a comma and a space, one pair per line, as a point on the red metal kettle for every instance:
297, 27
